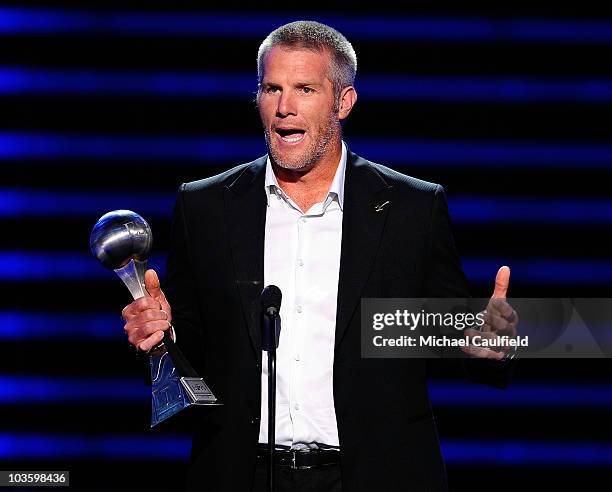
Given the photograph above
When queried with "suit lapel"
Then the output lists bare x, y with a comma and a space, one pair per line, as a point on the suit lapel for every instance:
245, 203
367, 200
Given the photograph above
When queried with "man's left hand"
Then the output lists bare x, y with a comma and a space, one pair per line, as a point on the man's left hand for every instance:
499, 320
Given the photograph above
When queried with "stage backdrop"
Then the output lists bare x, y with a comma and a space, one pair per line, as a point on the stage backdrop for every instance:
106, 107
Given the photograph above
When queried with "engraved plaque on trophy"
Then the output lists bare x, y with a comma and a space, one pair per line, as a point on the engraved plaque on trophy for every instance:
122, 241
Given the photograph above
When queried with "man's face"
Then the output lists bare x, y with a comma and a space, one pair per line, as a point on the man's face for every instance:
296, 105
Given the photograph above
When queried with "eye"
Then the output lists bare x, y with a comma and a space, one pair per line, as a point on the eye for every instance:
307, 90
270, 89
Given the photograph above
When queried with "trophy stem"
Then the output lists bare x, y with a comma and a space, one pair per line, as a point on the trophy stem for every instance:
132, 275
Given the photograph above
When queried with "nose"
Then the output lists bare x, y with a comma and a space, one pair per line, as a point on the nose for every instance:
286, 105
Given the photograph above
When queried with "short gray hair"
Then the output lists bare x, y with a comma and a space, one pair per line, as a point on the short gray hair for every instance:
313, 35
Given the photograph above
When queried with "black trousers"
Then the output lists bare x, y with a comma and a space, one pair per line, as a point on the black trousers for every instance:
322, 479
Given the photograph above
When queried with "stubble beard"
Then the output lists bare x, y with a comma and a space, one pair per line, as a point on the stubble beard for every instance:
312, 154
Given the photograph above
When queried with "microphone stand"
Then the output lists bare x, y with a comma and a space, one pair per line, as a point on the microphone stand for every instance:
270, 328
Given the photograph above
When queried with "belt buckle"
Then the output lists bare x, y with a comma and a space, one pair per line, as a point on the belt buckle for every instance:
294, 466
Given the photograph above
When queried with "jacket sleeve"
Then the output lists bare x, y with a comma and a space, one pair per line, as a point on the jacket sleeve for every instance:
445, 278
181, 288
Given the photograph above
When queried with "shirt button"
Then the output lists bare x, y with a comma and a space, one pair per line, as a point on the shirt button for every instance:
299, 309
300, 262
297, 357
303, 220
296, 406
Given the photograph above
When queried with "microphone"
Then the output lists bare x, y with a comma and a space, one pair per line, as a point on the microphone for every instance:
270, 300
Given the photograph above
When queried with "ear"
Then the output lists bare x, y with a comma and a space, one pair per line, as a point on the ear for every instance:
348, 98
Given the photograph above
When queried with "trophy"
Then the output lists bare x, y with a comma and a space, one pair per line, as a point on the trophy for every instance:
122, 241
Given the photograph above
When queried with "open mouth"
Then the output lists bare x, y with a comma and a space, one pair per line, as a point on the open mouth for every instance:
290, 135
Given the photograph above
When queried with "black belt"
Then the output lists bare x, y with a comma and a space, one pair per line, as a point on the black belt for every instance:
300, 459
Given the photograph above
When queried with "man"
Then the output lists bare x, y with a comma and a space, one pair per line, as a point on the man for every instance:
328, 228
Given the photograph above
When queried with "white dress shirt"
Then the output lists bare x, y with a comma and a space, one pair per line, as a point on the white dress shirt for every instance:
302, 258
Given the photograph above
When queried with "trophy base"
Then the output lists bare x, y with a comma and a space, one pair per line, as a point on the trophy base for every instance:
172, 392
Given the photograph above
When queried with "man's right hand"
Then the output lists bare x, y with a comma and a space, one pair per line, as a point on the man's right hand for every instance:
147, 318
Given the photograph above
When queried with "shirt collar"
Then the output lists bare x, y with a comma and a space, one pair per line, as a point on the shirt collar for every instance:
336, 189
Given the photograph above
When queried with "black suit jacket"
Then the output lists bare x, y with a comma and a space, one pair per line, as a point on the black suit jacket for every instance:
387, 433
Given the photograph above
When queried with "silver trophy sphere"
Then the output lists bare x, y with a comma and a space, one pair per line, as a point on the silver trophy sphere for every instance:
122, 241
